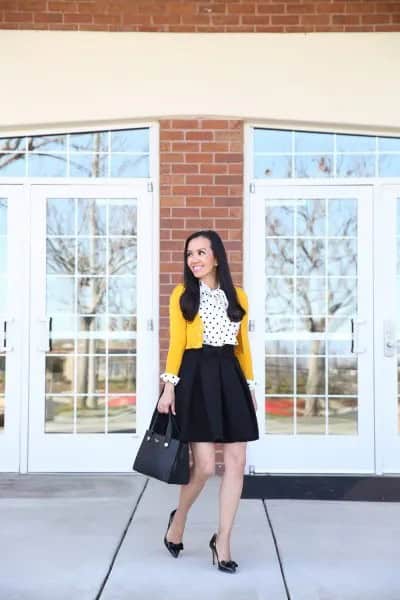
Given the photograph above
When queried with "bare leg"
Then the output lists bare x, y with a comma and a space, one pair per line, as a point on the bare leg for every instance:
203, 467
230, 492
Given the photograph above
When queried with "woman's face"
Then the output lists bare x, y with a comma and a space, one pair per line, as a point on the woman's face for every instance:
200, 258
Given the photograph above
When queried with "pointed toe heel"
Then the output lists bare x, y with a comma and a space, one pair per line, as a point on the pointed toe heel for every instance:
172, 548
227, 566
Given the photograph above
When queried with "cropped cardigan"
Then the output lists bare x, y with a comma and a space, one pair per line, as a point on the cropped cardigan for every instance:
189, 334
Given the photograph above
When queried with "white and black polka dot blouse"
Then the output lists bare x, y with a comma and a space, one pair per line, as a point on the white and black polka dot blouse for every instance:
218, 329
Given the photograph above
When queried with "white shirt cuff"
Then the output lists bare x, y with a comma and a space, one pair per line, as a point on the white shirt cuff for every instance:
251, 383
169, 377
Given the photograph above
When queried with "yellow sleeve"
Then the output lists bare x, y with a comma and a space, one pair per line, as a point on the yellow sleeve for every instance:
242, 350
177, 332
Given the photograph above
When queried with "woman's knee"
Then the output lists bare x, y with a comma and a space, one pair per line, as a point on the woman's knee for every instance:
235, 459
203, 459
205, 469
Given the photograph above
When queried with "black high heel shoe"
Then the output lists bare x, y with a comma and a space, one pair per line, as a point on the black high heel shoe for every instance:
174, 549
228, 566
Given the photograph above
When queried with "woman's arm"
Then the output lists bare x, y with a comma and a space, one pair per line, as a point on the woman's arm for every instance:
177, 334
242, 350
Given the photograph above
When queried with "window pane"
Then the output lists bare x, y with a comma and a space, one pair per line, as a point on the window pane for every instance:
311, 217
355, 143
59, 374
342, 217
122, 413
279, 256
60, 255
310, 413
136, 140
272, 140
92, 216
47, 142
44, 165
90, 414
306, 141
310, 257
342, 257
11, 144
342, 415
353, 165
92, 256
60, 295
279, 296
273, 166
279, 218
389, 165
310, 375
88, 165
314, 166
96, 141
59, 414
125, 165
389, 143
279, 375
12, 165
123, 217
60, 216
279, 413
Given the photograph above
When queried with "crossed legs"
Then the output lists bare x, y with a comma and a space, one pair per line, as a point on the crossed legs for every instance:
229, 495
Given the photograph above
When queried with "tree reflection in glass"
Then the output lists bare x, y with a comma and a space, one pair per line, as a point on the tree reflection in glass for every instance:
313, 240
92, 245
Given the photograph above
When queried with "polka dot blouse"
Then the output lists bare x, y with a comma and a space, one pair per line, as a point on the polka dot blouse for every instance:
218, 329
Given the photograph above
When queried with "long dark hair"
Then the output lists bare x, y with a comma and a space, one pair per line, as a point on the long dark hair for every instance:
190, 298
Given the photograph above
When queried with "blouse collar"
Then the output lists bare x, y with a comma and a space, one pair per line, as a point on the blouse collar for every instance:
206, 289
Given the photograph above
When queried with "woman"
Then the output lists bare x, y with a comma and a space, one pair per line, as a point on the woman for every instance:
207, 366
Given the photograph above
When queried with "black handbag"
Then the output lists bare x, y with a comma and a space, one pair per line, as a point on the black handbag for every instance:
162, 455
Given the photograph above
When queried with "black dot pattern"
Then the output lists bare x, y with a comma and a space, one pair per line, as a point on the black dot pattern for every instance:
218, 329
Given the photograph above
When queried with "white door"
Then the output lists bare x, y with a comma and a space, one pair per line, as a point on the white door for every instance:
310, 284
92, 340
387, 328
13, 347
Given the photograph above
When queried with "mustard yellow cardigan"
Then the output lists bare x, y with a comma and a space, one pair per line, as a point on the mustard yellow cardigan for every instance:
189, 334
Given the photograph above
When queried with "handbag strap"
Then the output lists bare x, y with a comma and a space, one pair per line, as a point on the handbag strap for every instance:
171, 421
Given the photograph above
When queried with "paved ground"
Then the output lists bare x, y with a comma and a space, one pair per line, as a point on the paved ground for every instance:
91, 536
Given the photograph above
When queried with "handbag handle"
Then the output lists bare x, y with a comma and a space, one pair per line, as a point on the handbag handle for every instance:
168, 432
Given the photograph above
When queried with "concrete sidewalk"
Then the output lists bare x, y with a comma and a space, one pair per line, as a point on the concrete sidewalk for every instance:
99, 536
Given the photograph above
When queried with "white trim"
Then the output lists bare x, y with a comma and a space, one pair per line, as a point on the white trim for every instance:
84, 127
325, 127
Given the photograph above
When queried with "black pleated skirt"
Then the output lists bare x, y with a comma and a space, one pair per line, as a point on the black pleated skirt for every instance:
213, 402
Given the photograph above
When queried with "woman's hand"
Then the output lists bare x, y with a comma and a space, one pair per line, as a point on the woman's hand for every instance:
167, 399
253, 396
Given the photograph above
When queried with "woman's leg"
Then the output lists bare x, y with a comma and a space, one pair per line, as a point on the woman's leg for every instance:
230, 492
203, 467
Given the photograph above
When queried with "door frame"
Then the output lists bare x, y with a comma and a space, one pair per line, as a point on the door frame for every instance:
146, 339
257, 336
12, 439
387, 435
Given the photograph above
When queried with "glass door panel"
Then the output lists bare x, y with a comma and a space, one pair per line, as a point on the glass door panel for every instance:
14, 217
94, 250
314, 358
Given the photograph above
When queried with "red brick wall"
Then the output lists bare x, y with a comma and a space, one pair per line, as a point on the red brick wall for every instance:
201, 187
202, 15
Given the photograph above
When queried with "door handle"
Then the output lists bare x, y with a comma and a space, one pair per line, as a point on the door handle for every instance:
5, 334
45, 335
389, 338
356, 346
